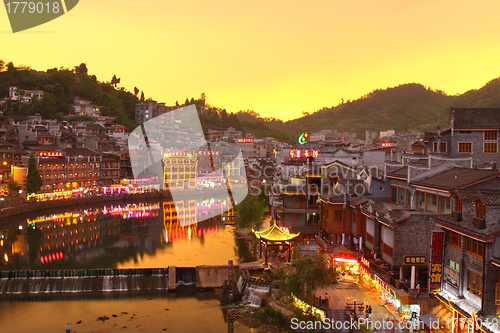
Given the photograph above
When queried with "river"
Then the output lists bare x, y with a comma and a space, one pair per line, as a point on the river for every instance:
128, 235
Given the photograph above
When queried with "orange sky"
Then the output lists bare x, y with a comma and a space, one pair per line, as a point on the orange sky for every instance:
277, 57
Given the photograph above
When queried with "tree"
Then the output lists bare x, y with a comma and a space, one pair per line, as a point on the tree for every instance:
13, 187
136, 91
11, 67
309, 274
33, 180
81, 69
2, 64
115, 81
186, 102
250, 211
142, 97
203, 97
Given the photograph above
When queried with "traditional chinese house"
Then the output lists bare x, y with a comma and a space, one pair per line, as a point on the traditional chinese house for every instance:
469, 284
275, 236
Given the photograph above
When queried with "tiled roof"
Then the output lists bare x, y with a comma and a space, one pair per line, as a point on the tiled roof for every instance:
387, 211
467, 195
402, 172
79, 151
457, 178
275, 233
490, 184
358, 201
490, 199
482, 118
467, 227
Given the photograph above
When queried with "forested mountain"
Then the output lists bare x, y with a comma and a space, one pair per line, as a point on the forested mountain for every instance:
405, 108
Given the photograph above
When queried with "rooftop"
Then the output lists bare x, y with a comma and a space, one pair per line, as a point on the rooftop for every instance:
457, 178
470, 119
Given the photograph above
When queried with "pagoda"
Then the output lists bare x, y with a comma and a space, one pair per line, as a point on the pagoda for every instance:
275, 236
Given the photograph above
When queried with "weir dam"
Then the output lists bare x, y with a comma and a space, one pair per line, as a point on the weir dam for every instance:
58, 282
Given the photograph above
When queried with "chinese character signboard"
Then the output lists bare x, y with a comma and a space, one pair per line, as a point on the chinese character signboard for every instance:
303, 153
415, 260
436, 262
451, 276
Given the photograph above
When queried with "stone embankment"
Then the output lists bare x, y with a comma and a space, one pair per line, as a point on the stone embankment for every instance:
87, 201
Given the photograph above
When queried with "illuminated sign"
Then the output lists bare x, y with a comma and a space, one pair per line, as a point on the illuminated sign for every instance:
386, 144
436, 262
303, 153
209, 153
303, 138
365, 262
50, 154
415, 260
286, 229
178, 154
245, 140
352, 261
388, 290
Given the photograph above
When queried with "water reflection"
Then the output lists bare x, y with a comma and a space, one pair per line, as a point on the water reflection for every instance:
126, 235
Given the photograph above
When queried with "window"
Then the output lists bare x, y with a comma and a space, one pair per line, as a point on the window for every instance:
338, 216
442, 147
465, 147
401, 196
369, 238
431, 203
475, 281
420, 201
458, 205
480, 210
454, 265
490, 135
474, 247
452, 238
444, 205
490, 147
394, 194
387, 249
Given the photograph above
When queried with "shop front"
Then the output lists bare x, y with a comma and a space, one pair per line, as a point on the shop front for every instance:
56, 195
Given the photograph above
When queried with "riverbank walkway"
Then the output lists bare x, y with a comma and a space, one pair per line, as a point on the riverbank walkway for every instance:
345, 293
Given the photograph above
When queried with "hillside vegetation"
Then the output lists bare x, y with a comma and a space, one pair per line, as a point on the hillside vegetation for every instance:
405, 108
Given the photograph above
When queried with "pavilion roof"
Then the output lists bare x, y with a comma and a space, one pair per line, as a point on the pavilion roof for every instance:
275, 234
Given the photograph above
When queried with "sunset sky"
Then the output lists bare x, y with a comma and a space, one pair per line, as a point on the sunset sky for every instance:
276, 57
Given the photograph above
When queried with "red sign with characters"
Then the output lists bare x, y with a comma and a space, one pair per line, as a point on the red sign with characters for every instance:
436, 262
51, 154
245, 140
303, 153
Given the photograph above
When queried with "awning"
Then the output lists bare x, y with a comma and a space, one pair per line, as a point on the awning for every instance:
429, 320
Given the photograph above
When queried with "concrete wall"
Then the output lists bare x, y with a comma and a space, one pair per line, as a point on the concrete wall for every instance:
477, 140
208, 277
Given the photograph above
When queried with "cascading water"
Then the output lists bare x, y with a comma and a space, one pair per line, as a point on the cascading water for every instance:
253, 292
82, 281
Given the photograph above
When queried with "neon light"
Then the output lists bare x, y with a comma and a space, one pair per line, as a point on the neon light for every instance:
352, 261
365, 262
303, 138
